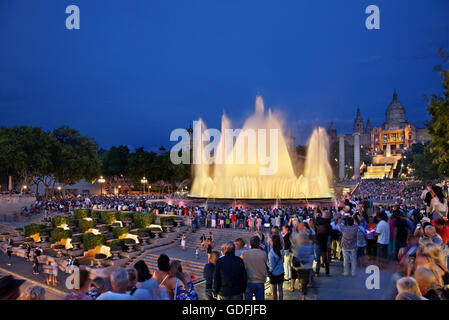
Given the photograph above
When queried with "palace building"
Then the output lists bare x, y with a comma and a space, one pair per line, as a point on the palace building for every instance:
384, 142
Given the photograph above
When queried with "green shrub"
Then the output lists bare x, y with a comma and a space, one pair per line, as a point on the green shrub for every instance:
82, 213
118, 243
163, 220
91, 241
117, 232
33, 229
95, 213
85, 225
59, 234
142, 220
108, 217
125, 215
57, 221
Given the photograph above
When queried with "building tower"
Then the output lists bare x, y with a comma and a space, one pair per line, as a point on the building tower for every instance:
358, 123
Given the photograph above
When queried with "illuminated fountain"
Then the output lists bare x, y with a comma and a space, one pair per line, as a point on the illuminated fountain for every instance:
229, 179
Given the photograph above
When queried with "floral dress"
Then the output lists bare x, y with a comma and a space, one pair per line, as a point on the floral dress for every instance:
182, 294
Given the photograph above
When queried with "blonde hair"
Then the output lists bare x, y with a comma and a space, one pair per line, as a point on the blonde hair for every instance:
408, 284
426, 279
435, 257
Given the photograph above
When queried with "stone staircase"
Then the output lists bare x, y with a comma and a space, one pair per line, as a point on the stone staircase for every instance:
194, 268
221, 236
164, 243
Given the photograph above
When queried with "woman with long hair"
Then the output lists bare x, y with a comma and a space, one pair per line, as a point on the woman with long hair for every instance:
181, 282
276, 267
438, 204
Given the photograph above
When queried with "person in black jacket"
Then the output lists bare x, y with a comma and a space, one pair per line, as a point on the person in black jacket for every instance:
208, 274
230, 278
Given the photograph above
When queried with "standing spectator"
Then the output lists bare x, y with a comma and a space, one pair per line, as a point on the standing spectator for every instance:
383, 236
230, 275
208, 274
302, 261
119, 283
9, 254
276, 267
349, 245
371, 238
182, 283
255, 263
438, 204
323, 231
286, 234
239, 246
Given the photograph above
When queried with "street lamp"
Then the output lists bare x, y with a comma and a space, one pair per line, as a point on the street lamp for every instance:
144, 181
59, 189
101, 181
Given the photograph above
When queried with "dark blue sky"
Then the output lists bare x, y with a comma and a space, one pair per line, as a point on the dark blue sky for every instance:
138, 69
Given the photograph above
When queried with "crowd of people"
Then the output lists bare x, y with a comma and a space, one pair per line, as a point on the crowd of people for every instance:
293, 245
388, 190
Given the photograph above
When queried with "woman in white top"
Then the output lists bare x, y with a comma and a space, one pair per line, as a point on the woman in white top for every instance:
438, 205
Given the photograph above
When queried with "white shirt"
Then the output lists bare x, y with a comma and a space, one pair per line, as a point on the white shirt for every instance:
384, 232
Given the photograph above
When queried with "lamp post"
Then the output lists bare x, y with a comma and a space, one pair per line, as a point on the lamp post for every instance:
101, 181
143, 181
59, 189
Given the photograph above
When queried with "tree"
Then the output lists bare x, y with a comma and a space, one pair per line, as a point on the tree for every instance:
422, 162
114, 162
25, 153
141, 164
438, 107
76, 157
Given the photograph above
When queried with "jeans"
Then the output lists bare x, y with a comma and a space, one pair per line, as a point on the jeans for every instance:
256, 289
382, 251
349, 254
325, 253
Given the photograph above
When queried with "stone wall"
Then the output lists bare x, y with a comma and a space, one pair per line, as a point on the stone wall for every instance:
14, 204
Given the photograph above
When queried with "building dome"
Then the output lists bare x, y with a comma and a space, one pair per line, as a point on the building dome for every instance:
395, 115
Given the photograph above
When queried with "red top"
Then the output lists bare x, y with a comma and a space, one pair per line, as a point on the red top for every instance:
443, 232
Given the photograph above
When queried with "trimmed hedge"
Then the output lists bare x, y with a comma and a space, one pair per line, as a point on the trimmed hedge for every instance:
57, 221
117, 232
125, 215
82, 213
33, 229
85, 225
91, 241
142, 220
108, 217
59, 234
